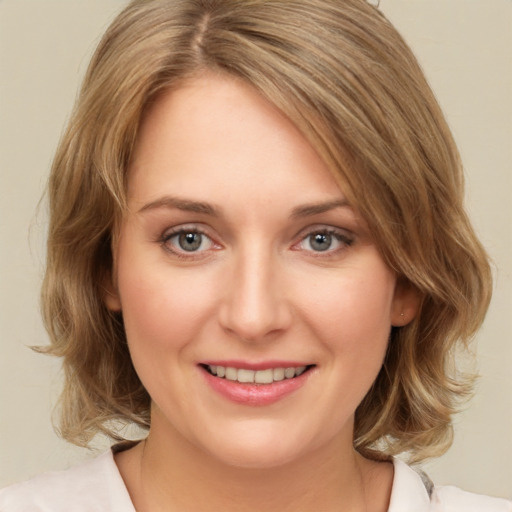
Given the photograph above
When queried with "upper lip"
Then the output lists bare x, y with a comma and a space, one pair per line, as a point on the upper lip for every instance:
260, 365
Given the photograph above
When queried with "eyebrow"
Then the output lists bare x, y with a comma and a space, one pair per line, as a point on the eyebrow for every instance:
204, 208
308, 210
186, 205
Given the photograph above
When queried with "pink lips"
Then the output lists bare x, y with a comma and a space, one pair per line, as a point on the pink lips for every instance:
255, 394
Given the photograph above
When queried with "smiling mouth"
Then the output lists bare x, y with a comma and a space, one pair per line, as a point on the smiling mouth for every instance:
245, 376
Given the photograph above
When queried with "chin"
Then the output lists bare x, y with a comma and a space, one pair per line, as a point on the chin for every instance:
257, 457
259, 447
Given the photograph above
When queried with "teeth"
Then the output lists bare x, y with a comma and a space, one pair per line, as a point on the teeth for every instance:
258, 377
278, 374
300, 370
264, 376
231, 374
245, 375
289, 373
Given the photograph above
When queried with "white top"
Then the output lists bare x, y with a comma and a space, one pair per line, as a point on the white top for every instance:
97, 486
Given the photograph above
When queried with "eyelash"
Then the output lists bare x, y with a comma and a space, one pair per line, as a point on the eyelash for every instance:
182, 254
340, 236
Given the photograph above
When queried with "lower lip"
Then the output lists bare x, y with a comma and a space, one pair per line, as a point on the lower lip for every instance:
255, 394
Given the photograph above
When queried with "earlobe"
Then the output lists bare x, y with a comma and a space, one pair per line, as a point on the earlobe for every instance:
111, 295
112, 301
406, 303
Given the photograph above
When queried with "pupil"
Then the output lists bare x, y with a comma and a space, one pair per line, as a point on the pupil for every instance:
321, 242
190, 241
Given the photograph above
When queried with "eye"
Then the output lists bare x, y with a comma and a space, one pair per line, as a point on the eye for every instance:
320, 241
190, 241
185, 241
325, 240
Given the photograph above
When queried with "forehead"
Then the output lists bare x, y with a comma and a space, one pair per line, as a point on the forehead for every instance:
217, 138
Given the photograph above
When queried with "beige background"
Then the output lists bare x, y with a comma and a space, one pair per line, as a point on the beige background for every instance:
464, 47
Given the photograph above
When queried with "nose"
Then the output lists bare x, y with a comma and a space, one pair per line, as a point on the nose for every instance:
255, 307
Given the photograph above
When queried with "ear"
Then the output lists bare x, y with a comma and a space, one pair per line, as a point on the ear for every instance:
406, 303
111, 296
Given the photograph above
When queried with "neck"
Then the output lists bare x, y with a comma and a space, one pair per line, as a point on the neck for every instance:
166, 473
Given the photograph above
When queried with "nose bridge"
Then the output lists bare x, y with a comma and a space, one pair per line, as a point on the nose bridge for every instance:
255, 304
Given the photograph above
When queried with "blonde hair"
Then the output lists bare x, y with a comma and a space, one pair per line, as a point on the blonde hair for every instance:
344, 76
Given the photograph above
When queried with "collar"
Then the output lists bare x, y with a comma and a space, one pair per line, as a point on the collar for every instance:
410, 491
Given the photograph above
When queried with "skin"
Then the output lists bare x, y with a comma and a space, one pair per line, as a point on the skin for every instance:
214, 157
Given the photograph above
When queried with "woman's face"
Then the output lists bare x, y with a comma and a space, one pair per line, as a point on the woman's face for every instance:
240, 260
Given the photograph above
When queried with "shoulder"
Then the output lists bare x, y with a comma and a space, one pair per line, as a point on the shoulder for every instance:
93, 485
452, 499
413, 490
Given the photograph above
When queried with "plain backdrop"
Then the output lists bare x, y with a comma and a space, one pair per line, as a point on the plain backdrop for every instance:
464, 47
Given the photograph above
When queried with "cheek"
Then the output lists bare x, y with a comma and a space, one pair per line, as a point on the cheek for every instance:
161, 307
350, 311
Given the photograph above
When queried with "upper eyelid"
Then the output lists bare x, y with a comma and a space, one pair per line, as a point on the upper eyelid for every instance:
173, 231
184, 228
324, 228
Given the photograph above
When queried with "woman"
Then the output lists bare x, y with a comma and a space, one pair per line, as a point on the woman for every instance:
258, 252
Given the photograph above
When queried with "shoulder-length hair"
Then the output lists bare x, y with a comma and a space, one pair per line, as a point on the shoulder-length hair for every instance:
344, 76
